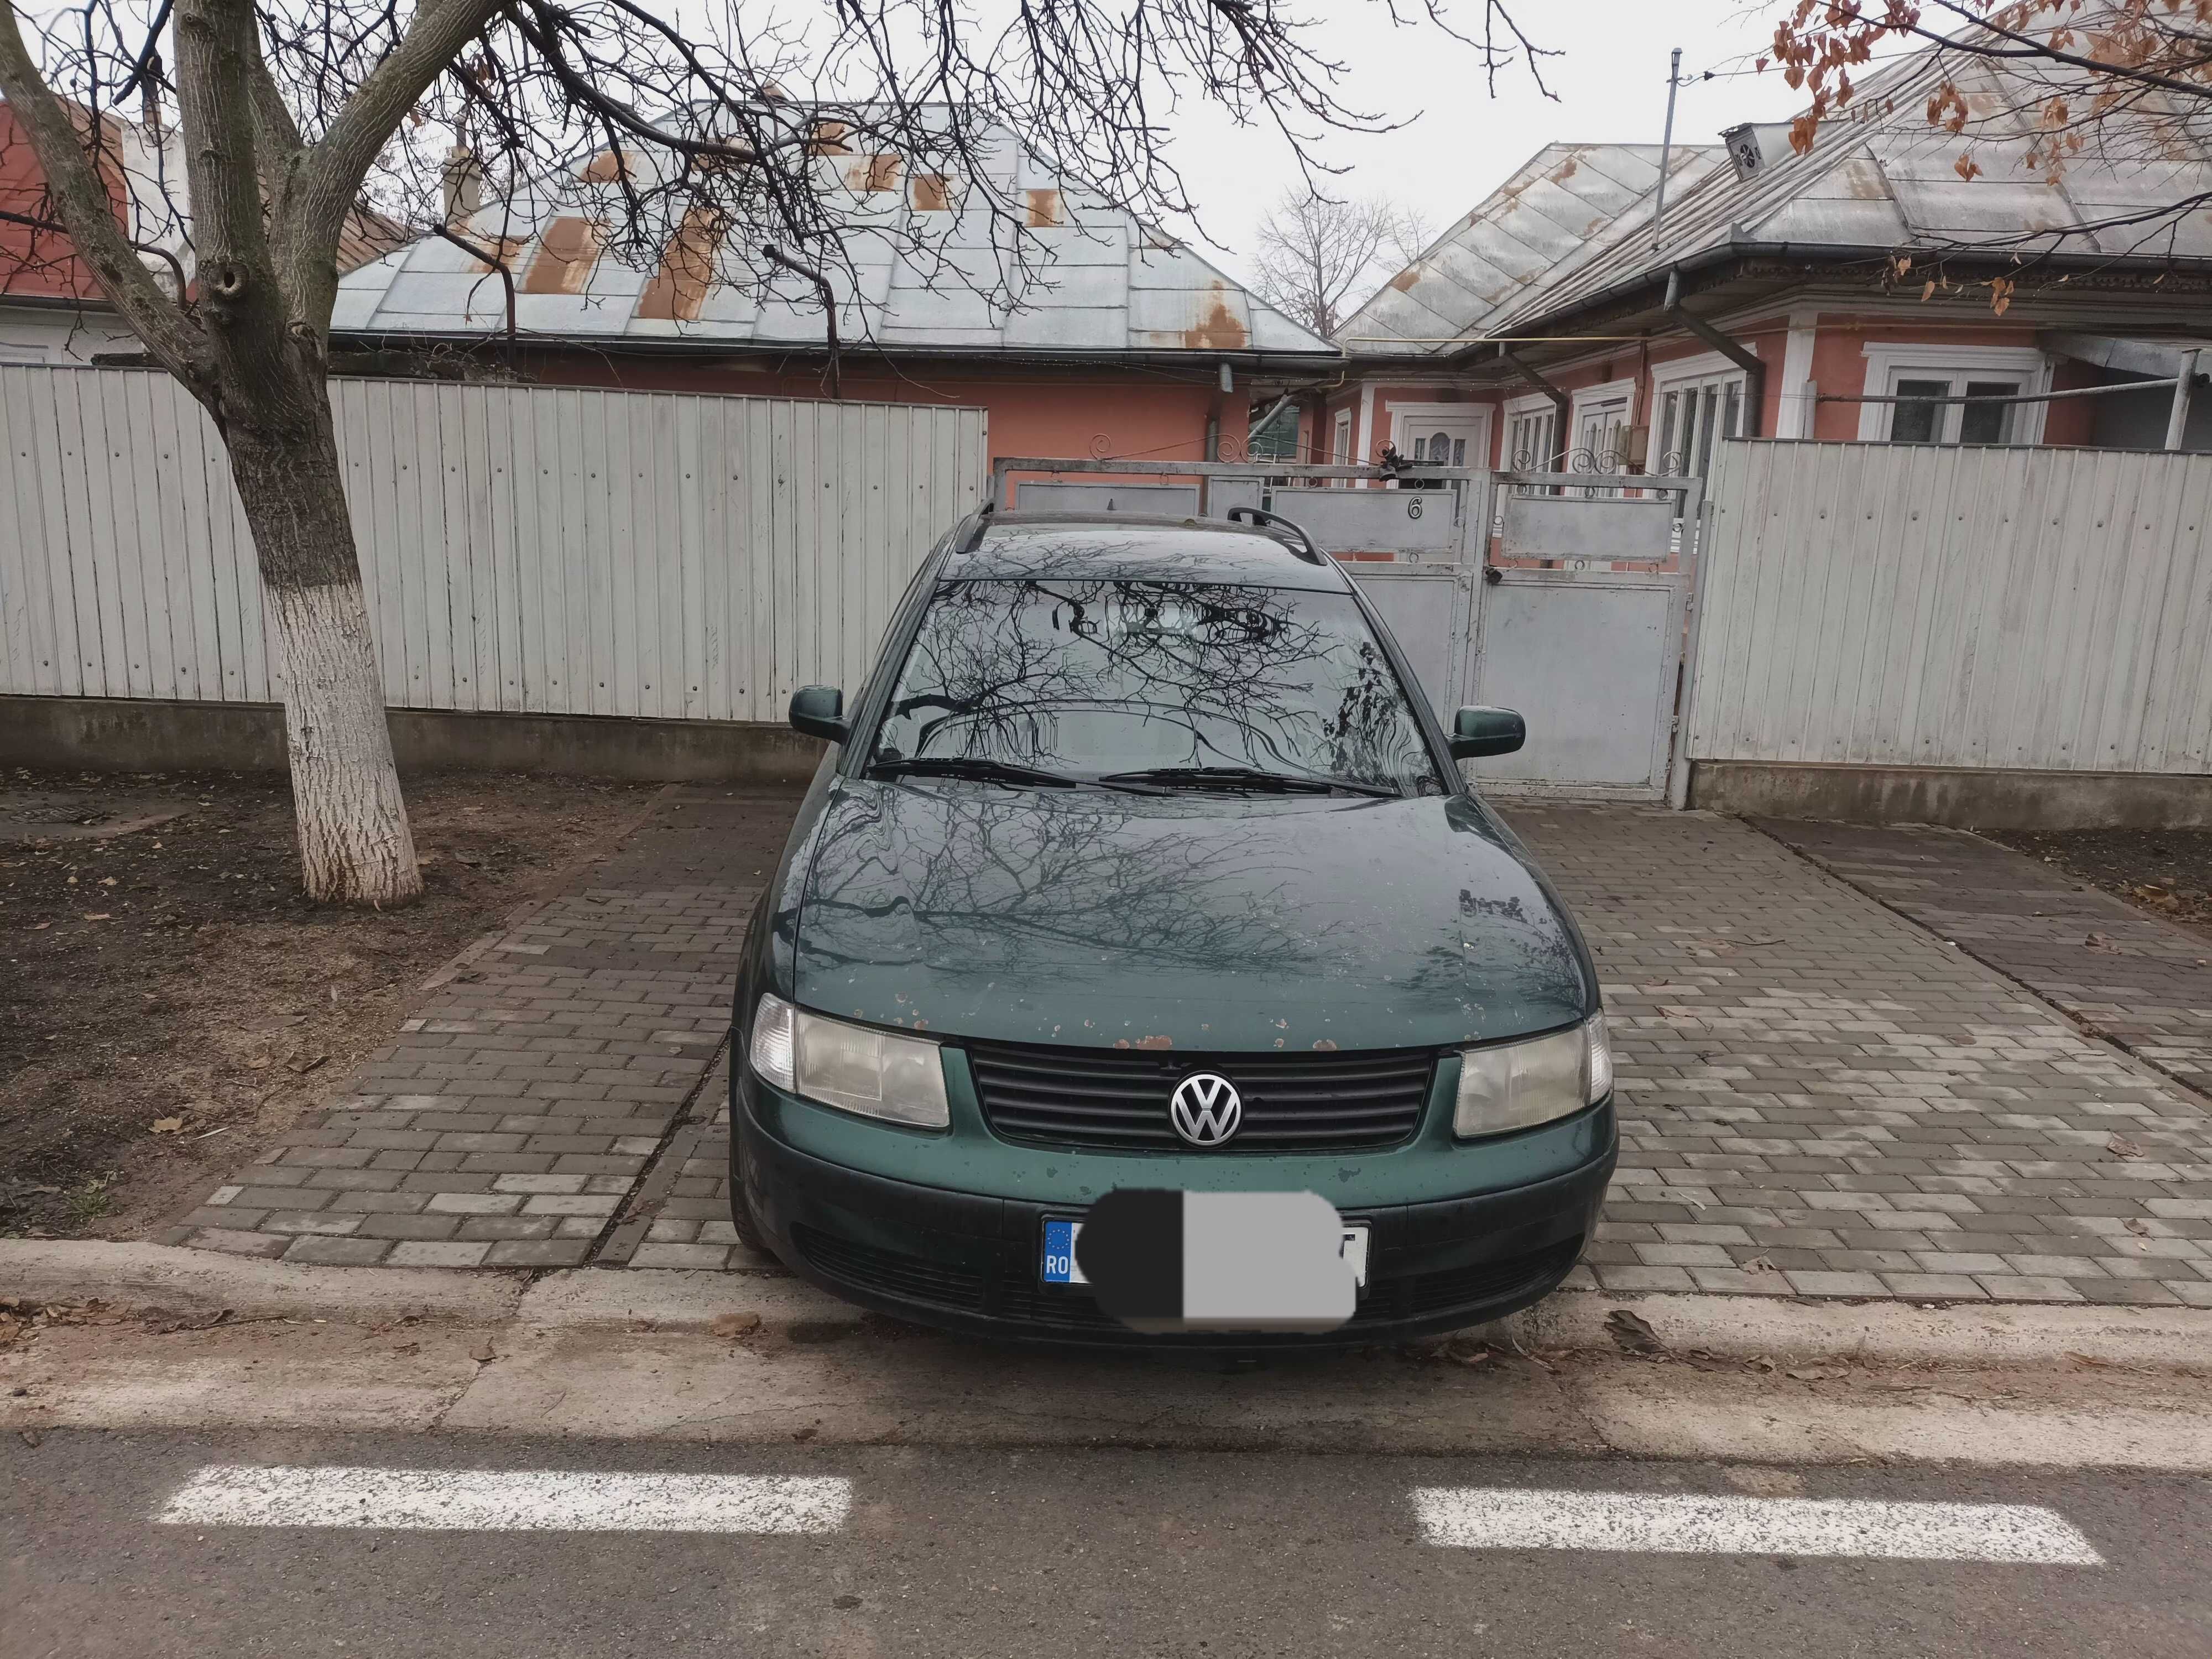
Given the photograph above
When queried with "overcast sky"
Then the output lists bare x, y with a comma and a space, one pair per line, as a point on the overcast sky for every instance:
1610, 81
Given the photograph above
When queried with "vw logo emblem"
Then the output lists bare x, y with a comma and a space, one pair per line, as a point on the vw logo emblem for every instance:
1205, 1108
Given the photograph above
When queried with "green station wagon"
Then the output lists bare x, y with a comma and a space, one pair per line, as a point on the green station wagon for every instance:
1139, 862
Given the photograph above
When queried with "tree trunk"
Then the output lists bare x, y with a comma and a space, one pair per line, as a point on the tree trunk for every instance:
355, 847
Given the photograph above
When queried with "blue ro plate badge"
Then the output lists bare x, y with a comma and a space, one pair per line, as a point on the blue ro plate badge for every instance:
1059, 1266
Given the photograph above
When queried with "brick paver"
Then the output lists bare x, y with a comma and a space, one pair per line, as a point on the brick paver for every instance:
2140, 981
513, 1113
1820, 1098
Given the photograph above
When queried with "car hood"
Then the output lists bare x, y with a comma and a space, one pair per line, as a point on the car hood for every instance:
1187, 921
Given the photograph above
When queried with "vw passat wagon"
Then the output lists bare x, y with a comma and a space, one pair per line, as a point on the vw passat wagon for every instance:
1139, 861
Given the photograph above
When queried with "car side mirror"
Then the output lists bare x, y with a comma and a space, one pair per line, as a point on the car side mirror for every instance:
1484, 732
819, 711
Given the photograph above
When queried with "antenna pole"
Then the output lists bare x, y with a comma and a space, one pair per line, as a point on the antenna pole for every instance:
1665, 148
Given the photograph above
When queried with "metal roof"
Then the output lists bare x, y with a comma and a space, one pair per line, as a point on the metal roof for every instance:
928, 270
1877, 178
1540, 222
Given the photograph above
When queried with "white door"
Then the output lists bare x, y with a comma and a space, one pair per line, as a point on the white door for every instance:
1453, 437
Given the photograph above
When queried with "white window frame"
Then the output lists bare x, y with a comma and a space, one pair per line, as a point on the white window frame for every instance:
1582, 402
1684, 374
1534, 402
1340, 442
1886, 364
1405, 418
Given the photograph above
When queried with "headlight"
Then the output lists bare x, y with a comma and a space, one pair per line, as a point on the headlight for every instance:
854, 1068
1518, 1086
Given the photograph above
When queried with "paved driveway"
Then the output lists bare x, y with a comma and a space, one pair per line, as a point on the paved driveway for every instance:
1819, 1097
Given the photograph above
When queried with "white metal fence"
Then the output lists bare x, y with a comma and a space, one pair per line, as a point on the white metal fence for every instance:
1909, 606
527, 549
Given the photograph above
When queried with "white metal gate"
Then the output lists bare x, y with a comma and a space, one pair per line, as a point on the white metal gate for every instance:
1579, 625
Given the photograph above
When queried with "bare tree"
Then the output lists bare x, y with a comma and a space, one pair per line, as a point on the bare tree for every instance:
730, 147
2119, 86
1317, 257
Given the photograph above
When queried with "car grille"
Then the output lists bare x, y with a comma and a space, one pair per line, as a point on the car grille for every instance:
1014, 1292
1118, 1097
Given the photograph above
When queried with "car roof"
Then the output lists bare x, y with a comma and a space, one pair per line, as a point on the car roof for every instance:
1131, 546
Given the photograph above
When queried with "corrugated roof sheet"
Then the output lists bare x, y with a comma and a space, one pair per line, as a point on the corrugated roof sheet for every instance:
1099, 281
1877, 176
1539, 223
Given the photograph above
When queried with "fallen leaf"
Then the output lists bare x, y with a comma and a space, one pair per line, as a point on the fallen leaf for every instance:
482, 1353
166, 1126
2121, 1146
99, 916
1759, 1264
2136, 1225
259, 1062
1631, 1333
41, 928
735, 1324
805, 1434
304, 1064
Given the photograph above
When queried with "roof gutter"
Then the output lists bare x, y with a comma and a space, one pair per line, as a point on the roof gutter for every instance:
1203, 365
1812, 252
1753, 366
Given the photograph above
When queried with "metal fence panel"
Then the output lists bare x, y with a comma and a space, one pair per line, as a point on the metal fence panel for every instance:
1912, 605
531, 549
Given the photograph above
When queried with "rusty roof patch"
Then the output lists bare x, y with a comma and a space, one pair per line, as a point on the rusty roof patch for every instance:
686, 268
566, 254
1219, 329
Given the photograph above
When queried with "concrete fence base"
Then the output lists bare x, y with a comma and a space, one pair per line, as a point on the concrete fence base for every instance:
1965, 798
114, 734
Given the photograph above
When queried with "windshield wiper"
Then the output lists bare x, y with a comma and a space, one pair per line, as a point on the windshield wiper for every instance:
967, 766
1249, 777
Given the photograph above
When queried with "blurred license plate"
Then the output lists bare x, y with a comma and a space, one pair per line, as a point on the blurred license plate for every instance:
1059, 1266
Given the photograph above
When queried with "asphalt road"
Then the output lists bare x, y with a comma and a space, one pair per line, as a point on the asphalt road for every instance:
915, 1551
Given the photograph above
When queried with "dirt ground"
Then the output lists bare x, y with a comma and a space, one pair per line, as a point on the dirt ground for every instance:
2167, 872
168, 998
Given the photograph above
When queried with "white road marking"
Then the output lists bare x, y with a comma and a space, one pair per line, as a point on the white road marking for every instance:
499, 1500
1476, 1518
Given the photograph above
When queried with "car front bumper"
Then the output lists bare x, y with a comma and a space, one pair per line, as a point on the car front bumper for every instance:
970, 1261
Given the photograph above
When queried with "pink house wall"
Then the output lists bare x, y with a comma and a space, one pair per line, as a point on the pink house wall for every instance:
1072, 412
1838, 368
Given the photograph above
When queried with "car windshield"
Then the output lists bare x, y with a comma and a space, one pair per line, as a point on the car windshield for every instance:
1105, 678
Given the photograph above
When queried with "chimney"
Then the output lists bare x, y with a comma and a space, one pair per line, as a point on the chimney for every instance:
463, 184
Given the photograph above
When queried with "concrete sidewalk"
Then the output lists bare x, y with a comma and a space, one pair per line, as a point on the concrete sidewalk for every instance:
516, 1112
1819, 1097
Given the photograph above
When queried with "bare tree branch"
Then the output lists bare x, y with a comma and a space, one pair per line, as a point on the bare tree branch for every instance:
80, 201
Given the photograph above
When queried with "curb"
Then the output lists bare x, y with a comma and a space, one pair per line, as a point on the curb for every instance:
171, 1276
2025, 1335
1973, 1336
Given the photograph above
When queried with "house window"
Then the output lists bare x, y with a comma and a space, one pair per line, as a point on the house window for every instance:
1912, 422
1692, 416
1529, 434
1923, 377
1339, 451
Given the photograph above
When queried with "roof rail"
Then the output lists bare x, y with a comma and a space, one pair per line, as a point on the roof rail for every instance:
1260, 516
973, 538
